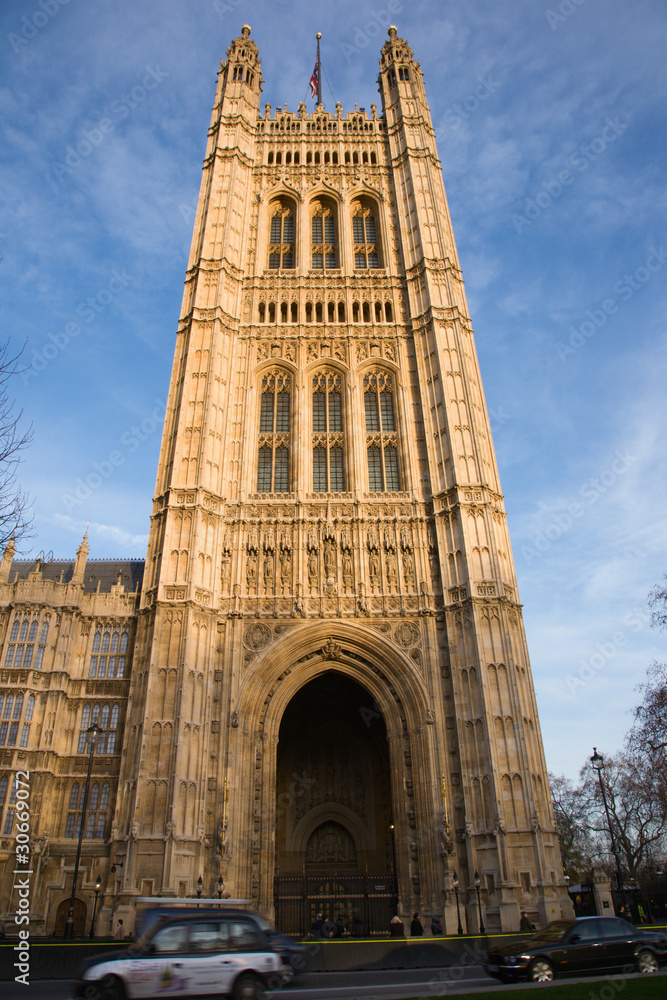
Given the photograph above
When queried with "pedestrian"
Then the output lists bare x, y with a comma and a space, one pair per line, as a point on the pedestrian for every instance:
416, 927
120, 932
328, 928
357, 927
436, 926
341, 929
396, 928
317, 926
525, 926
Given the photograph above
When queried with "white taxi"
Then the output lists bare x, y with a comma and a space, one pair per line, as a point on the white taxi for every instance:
188, 956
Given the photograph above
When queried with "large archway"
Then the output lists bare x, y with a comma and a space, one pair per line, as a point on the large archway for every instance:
333, 805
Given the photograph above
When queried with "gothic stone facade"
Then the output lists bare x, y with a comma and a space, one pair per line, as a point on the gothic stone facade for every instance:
325, 666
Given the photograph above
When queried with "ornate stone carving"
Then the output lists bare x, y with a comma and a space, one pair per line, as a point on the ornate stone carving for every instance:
257, 636
407, 634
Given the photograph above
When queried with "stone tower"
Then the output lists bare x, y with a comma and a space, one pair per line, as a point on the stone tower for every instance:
330, 673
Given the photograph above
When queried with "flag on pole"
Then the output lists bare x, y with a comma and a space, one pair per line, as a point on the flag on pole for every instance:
314, 80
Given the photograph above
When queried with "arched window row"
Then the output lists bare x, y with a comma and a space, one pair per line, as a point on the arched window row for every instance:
243, 75
108, 652
320, 312
317, 157
96, 810
104, 716
324, 223
329, 437
12, 717
27, 641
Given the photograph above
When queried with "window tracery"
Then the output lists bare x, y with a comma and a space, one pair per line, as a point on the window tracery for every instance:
328, 454
274, 433
381, 432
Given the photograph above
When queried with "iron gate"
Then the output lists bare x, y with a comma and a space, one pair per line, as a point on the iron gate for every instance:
370, 898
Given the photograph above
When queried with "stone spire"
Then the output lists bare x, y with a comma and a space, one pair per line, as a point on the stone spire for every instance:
81, 557
7, 559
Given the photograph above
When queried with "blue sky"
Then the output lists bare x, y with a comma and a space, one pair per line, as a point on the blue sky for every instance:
551, 130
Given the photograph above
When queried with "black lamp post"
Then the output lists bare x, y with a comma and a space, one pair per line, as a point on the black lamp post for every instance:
478, 882
91, 736
455, 887
597, 763
98, 886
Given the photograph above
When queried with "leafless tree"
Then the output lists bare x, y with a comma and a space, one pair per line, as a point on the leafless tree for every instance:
570, 810
15, 505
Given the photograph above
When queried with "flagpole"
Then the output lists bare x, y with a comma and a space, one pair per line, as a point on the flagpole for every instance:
319, 69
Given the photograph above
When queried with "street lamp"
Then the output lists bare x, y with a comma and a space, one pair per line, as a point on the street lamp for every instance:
597, 763
91, 737
478, 882
98, 886
455, 887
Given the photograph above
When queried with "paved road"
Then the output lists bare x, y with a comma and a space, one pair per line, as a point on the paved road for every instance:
393, 984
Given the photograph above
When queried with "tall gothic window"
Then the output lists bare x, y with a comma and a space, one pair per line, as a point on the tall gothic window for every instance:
96, 810
281, 240
324, 251
274, 434
28, 652
381, 434
364, 236
328, 471
106, 717
109, 648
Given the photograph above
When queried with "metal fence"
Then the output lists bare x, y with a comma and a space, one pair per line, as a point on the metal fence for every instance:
371, 899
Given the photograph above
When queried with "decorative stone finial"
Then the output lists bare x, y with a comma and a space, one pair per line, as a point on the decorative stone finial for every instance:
392, 31
245, 31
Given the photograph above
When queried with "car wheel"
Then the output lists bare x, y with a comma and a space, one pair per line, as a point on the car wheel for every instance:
248, 988
541, 971
647, 962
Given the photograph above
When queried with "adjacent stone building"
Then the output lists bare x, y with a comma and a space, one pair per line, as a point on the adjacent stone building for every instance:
319, 692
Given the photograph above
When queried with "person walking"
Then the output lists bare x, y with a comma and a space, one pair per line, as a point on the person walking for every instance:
396, 928
120, 932
436, 926
416, 926
525, 926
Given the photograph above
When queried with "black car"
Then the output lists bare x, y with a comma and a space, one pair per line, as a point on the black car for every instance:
575, 947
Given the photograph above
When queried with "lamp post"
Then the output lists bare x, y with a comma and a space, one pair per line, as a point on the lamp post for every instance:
597, 763
478, 882
394, 899
98, 886
455, 887
91, 736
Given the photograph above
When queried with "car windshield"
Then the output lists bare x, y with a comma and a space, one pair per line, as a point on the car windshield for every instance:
553, 932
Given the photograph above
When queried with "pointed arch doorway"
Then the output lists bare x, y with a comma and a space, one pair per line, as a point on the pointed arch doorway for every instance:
334, 848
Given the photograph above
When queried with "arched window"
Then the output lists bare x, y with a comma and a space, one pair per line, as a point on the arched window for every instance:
364, 234
381, 434
324, 251
281, 240
274, 434
328, 467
